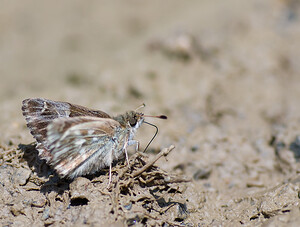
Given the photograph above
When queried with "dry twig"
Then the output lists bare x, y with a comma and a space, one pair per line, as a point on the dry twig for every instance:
164, 152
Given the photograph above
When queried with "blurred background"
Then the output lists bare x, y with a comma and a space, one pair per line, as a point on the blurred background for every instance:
225, 72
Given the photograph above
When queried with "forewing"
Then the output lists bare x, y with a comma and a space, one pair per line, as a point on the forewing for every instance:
39, 113
80, 140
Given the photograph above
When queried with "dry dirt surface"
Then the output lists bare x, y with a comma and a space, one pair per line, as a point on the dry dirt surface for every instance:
227, 75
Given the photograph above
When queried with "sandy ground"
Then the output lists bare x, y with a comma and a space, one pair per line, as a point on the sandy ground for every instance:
226, 73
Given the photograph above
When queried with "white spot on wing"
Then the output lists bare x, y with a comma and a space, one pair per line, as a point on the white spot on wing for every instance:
77, 132
44, 107
80, 142
91, 131
95, 139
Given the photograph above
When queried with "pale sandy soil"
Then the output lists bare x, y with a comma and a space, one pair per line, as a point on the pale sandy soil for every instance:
226, 73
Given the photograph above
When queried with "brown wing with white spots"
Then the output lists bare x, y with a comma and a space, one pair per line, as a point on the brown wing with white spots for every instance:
76, 141
39, 113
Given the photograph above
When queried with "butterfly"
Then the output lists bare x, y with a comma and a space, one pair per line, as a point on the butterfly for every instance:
78, 141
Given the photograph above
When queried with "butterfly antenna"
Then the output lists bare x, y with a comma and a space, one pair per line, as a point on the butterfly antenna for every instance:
153, 136
141, 106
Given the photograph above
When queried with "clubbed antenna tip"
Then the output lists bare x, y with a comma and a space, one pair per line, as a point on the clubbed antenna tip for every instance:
160, 116
163, 117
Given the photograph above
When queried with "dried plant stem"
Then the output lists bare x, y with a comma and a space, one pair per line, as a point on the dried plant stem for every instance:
164, 152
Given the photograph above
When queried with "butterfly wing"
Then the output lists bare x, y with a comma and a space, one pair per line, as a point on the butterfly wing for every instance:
81, 145
39, 113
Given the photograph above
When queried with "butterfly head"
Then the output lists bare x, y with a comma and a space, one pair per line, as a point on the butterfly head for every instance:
134, 119
131, 119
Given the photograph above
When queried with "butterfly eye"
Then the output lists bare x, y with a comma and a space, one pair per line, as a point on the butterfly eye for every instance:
132, 122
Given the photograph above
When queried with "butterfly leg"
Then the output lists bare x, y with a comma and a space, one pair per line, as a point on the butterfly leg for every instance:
110, 161
109, 179
126, 155
130, 143
134, 142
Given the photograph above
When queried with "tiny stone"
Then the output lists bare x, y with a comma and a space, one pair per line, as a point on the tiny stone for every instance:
195, 148
128, 206
21, 176
46, 213
202, 174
